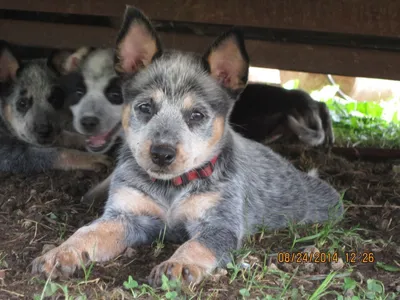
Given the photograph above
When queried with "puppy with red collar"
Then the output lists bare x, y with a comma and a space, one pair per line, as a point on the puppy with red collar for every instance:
183, 169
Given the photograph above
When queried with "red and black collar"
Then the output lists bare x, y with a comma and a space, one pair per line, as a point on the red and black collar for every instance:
203, 172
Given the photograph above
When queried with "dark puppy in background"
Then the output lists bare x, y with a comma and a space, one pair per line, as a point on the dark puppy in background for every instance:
265, 113
33, 115
183, 169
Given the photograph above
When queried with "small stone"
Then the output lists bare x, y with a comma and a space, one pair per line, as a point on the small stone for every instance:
337, 265
244, 265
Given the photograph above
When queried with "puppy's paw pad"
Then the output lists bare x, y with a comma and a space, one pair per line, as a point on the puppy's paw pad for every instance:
186, 273
59, 262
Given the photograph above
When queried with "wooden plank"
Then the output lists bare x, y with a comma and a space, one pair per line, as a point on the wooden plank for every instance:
41, 34
298, 57
325, 59
367, 17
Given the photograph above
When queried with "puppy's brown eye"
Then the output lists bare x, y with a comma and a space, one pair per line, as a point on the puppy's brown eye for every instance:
196, 116
145, 108
24, 104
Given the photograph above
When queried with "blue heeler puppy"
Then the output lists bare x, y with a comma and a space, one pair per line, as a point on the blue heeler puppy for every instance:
93, 93
183, 169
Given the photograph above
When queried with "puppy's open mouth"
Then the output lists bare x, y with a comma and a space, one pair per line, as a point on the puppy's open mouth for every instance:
98, 143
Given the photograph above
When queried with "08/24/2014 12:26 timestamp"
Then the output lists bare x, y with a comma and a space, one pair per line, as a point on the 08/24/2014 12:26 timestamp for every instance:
325, 257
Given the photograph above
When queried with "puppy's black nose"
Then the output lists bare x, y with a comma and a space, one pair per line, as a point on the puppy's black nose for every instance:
162, 155
44, 130
89, 123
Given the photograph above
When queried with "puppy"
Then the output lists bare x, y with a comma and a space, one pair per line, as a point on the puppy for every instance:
184, 169
265, 113
32, 117
94, 95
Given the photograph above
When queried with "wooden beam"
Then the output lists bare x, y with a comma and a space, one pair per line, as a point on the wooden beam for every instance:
298, 57
365, 17
42, 34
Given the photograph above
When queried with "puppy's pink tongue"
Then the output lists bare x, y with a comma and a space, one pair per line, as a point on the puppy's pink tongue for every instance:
98, 140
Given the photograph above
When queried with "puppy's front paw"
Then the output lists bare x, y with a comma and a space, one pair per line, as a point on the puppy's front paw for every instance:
79, 160
98, 162
174, 270
62, 261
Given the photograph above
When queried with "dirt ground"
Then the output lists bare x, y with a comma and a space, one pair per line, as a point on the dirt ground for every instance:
38, 211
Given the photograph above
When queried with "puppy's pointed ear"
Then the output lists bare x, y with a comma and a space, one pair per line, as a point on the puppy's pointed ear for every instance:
57, 59
64, 61
228, 60
9, 64
137, 43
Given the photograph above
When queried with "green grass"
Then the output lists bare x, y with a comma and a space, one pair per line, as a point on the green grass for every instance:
251, 275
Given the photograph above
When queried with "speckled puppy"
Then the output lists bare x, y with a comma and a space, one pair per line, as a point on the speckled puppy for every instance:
184, 169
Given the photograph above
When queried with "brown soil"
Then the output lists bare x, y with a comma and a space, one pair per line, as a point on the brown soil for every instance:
41, 210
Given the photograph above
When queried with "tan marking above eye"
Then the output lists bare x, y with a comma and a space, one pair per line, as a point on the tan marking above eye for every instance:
188, 102
157, 96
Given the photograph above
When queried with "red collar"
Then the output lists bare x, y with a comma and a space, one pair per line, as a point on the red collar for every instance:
202, 172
